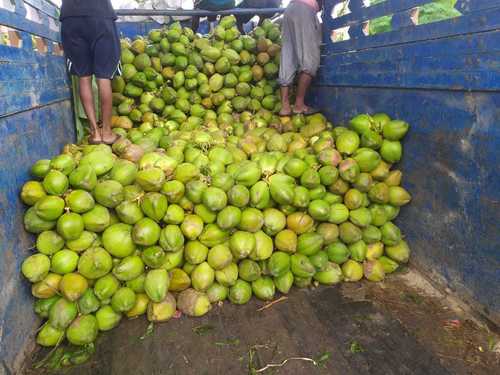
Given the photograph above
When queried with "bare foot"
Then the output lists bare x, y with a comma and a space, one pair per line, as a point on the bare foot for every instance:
95, 136
108, 136
285, 110
305, 110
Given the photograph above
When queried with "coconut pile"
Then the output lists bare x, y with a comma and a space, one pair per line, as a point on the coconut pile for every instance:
209, 195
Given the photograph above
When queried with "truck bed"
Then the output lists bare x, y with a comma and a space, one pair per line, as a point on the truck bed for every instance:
400, 326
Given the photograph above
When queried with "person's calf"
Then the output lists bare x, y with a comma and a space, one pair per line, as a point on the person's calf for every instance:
106, 100
286, 108
87, 99
303, 84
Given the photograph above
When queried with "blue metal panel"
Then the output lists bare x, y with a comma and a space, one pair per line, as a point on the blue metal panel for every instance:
480, 21
444, 79
465, 62
44, 6
36, 79
24, 138
18, 20
359, 13
451, 166
36, 120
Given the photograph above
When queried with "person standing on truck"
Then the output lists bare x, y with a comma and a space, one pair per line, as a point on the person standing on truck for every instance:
261, 4
300, 53
92, 47
211, 5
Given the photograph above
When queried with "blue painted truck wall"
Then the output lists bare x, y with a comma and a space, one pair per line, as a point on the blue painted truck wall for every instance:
36, 120
444, 79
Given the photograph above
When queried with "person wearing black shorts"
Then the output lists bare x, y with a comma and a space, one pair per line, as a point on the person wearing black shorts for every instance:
92, 47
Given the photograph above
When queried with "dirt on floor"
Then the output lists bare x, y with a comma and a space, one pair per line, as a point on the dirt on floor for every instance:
400, 326
464, 342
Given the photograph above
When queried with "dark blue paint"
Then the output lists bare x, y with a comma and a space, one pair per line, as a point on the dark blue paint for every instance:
36, 120
18, 20
479, 21
37, 79
444, 79
24, 138
45, 7
360, 14
451, 166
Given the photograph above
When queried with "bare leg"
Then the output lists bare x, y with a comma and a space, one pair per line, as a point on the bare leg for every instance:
212, 22
286, 109
239, 23
195, 23
302, 86
106, 100
87, 99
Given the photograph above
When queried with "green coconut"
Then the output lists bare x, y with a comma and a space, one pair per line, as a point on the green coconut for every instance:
263, 288
128, 268
140, 307
219, 257
163, 310
331, 274
32, 192
202, 277
36, 267
240, 293
107, 318
193, 303
83, 330
146, 232
49, 242
72, 286
64, 261
94, 263
123, 300
49, 336
399, 252
62, 313
88, 302
284, 282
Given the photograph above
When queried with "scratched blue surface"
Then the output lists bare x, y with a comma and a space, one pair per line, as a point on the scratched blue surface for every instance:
24, 138
461, 53
18, 20
359, 13
444, 79
37, 79
36, 120
451, 166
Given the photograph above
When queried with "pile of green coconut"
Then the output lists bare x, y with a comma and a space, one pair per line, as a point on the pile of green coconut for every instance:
209, 196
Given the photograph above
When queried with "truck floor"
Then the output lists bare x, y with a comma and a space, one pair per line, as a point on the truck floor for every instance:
400, 326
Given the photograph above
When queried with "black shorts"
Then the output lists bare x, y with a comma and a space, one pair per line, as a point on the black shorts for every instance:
91, 46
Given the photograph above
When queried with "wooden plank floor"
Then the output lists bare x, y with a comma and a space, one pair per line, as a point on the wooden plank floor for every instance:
310, 322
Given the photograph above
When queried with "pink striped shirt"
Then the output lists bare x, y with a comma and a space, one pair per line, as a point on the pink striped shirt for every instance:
312, 3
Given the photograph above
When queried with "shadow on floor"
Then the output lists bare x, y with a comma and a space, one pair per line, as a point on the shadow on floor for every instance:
363, 328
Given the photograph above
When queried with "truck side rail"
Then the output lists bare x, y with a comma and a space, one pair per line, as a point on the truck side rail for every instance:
460, 53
